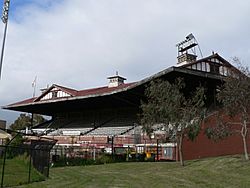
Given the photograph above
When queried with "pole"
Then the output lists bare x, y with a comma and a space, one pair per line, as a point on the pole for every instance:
34, 87
3, 45
32, 120
94, 154
157, 150
48, 164
34, 93
5, 16
112, 141
4, 159
30, 166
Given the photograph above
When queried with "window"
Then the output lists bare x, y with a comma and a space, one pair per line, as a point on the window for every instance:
54, 94
214, 68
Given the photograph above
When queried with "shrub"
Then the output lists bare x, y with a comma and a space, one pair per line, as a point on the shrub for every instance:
73, 161
104, 159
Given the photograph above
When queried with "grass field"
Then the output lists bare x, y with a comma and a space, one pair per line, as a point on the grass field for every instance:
17, 171
212, 172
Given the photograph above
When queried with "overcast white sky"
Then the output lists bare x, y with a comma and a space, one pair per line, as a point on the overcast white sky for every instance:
79, 43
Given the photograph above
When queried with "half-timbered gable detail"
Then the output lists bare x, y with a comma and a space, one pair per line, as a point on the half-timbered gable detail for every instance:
213, 64
55, 92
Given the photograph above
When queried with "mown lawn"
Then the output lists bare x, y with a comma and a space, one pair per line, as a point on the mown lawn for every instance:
17, 171
212, 172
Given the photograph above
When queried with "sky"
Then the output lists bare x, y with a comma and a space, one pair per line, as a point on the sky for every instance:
79, 43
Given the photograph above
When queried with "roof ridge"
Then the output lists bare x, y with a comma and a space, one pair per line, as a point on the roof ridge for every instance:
102, 87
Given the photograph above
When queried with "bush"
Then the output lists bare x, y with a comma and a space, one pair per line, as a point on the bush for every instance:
104, 159
78, 161
73, 161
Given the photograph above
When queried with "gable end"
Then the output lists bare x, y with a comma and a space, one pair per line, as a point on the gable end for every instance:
54, 92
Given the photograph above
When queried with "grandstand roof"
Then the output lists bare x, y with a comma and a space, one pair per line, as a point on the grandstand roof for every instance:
57, 98
75, 93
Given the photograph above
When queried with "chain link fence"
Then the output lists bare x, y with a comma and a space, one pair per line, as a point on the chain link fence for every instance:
24, 159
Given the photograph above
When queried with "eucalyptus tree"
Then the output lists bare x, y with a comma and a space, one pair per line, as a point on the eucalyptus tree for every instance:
24, 120
234, 96
180, 113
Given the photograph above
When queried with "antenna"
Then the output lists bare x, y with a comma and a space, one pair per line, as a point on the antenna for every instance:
34, 87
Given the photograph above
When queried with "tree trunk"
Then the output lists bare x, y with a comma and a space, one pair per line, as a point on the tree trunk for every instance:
244, 135
180, 150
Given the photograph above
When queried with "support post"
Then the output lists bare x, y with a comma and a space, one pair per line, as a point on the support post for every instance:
157, 149
94, 153
31, 121
112, 142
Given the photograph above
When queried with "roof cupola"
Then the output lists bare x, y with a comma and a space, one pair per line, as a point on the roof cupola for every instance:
116, 80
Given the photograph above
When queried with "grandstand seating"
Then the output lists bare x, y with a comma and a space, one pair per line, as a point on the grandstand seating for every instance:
101, 131
109, 130
108, 127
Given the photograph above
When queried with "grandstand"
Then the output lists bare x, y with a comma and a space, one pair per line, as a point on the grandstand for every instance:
89, 117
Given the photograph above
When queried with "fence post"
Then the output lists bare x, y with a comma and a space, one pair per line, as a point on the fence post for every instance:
29, 166
5, 152
48, 152
4, 158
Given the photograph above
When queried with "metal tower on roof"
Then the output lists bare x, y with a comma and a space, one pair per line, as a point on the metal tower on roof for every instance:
188, 45
187, 50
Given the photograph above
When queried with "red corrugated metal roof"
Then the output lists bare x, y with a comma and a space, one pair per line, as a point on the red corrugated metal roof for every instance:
26, 101
74, 93
101, 90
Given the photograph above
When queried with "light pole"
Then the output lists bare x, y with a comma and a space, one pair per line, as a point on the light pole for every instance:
6, 6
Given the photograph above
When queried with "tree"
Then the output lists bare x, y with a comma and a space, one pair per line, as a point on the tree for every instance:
167, 105
24, 120
234, 96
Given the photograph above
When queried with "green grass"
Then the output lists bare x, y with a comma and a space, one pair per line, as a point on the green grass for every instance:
17, 171
213, 172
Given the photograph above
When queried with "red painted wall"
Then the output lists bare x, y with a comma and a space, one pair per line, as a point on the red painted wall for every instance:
204, 147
